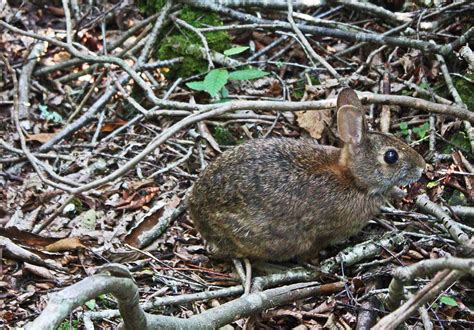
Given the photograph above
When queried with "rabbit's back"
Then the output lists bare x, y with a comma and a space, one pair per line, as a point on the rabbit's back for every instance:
275, 199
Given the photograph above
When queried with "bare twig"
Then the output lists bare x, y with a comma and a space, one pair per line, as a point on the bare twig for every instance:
404, 275
13, 251
35, 162
306, 44
457, 98
466, 53
439, 282
200, 35
359, 36
424, 203
25, 77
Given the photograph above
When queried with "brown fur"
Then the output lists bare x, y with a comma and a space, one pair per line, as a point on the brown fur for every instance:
275, 199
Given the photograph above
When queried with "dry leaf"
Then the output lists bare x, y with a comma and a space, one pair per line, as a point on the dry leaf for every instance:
138, 198
40, 137
314, 122
113, 125
65, 244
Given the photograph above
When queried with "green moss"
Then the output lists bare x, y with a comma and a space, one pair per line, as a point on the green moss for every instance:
185, 43
224, 136
69, 325
180, 46
457, 198
459, 141
149, 7
465, 88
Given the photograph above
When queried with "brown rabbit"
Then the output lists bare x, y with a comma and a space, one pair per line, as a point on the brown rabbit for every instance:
275, 199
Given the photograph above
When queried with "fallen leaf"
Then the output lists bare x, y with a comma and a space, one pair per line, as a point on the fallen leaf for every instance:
113, 125
138, 198
314, 122
65, 244
40, 137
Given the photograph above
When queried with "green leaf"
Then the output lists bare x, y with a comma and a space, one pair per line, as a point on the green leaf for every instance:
403, 125
424, 85
90, 304
447, 300
235, 50
215, 80
196, 85
432, 184
49, 115
422, 130
102, 297
247, 74
224, 92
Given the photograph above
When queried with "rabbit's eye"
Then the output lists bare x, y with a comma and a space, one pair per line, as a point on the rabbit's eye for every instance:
391, 156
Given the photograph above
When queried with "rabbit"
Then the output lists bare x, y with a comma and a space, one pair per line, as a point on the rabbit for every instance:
277, 199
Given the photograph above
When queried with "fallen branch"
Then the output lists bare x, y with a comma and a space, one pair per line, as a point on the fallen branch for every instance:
25, 77
350, 36
123, 288
16, 252
430, 291
302, 4
62, 303
442, 280
347, 257
424, 203
405, 275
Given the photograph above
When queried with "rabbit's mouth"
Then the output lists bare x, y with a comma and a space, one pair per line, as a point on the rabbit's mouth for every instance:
409, 179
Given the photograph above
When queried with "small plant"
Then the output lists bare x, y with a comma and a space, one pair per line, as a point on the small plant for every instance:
216, 79
186, 44
404, 128
420, 131
447, 300
66, 325
91, 304
424, 85
49, 115
235, 50
459, 140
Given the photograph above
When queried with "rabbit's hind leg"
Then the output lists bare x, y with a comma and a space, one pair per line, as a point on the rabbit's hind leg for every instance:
245, 275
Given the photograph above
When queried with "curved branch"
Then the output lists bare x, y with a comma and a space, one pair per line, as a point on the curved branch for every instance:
62, 303
125, 291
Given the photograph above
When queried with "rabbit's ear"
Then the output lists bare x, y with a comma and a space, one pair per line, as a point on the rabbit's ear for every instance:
347, 96
350, 117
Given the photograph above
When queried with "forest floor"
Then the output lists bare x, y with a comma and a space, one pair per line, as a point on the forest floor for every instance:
109, 114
